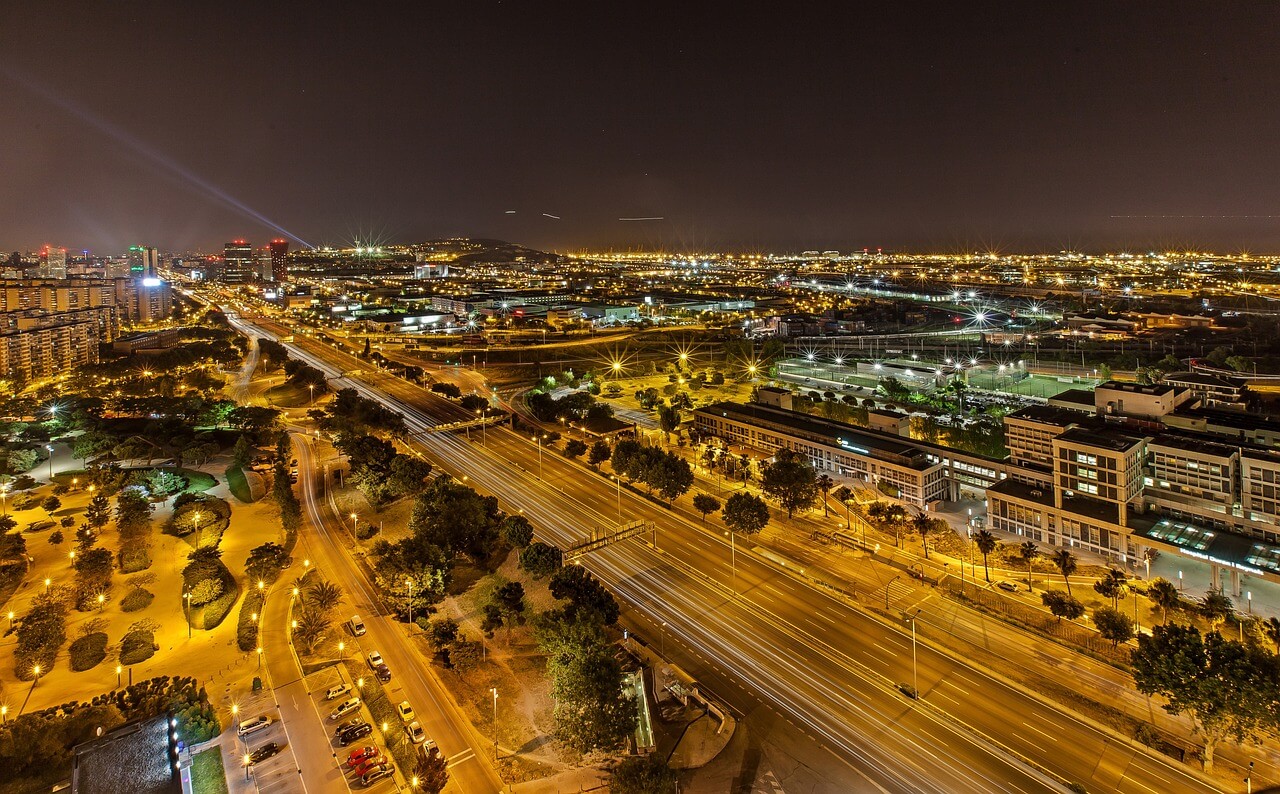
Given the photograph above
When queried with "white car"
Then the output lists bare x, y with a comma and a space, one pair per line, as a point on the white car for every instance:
337, 691
375, 659
253, 726
406, 711
344, 708
415, 733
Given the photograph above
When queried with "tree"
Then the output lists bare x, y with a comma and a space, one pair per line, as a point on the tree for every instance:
1062, 605
324, 596
430, 772
574, 448
642, 774
408, 475
599, 453
745, 513
790, 480
592, 710
1164, 594
133, 510
986, 543
242, 452
266, 561
516, 530
50, 505
1113, 625
705, 503
825, 484
312, 624
98, 513
540, 559
1114, 585
443, 631
1029, 551
844, 495
1226, 688
1272, 629
923, 525
1216, 607
668, 419
1066, 562
585, 594
55, 537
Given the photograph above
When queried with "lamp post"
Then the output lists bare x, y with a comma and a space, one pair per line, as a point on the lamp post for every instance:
915, 680
664, 639
409, 584
186, 605
119, 670
539, 438
494, 690
618, 480
259, 657
733, 559
50, 448
35, 672
196, 517
312, 388
4, 714
47, 582
354, 523
4, 498
247, 761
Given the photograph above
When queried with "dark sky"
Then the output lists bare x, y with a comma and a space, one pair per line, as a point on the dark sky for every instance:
1024, 126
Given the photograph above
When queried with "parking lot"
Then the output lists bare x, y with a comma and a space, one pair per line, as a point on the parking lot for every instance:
319, 683
278, 774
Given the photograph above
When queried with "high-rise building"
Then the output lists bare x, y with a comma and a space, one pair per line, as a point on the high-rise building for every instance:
279, 267
237, 263
53, 262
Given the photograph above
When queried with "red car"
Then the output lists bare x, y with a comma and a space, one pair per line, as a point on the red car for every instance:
362, 754
371, 763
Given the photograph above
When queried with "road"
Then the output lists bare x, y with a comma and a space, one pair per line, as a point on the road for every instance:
826, 664
468, 752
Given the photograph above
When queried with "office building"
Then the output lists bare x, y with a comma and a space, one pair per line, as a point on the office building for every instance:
53, 262
237, 263
279, 260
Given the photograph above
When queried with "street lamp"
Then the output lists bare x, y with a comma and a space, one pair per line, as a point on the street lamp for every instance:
247, 760
120, 670
259, 657
915, 681
50, 448
196, 517
733, 559
186, 605
539, 439
35, 671
354, 524
409, 584
101, 600
312, 387
494, 690
47, 582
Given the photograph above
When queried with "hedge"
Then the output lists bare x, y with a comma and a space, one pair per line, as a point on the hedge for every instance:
88, 651
135, 559
247, 627
217, 610
138, 598
137, 646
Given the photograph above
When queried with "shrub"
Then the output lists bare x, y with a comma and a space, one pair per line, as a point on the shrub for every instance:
137, 646
539, 559
135, 559
246, 626
464, 654
137, 599
206, 590
217, 610
88, 651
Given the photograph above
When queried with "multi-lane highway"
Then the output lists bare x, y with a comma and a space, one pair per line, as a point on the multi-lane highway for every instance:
829, 666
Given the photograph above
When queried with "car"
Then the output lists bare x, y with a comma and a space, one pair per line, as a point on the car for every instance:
369, 764
264, 752
1009, 586
415, 733
253, 725
354, 733
376, 774
405, 710
362, 754
375, 659
383, 672
356, 625
346, 725
344, 708
337, 691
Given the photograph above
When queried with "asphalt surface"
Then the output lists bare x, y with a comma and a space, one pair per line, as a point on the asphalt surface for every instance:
827, 665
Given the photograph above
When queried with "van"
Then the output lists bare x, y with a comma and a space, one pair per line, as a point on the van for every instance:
356, 625
253, 726
337, 691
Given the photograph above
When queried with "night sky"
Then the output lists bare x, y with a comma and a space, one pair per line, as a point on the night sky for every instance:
1024, 126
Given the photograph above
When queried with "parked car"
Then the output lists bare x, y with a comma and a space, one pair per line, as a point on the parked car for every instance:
337, 691
375, 659
383, 672
356, 625
376, 774
346, 725
264, 752
344, 708
1009, 586
415, 732
253, 725
405, 710
355, 733
369, 764
362, 754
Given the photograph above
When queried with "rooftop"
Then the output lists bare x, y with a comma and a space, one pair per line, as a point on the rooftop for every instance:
1050, 414
1225, 548
1151, 389
1101, 437
133, 757
1204, 379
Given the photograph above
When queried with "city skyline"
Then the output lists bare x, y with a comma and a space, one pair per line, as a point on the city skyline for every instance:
990, 127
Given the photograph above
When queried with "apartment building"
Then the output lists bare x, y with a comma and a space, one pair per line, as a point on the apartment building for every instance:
39, 344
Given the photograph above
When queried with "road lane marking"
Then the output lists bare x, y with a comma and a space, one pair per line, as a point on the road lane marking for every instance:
1042, 733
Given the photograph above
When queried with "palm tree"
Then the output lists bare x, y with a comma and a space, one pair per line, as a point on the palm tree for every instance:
1066, 562
324, 595
1164, 594
843, 495
986, 543
1029, 551
1114, 585
1272, 628
923, 524
825, 484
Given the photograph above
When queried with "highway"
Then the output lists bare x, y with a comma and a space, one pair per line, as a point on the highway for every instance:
823, 662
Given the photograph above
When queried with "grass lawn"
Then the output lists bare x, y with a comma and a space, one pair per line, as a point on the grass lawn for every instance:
238, 484
207, 773
197, 481
290, 395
